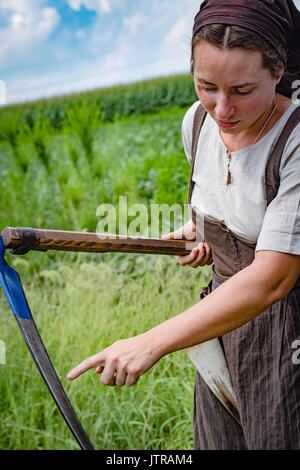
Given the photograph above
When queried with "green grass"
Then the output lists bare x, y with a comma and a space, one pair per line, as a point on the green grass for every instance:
106, 104
59, 186
80, 308
59, 160
124, 141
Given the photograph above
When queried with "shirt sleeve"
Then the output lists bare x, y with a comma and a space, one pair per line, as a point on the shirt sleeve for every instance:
187, 130
281, 226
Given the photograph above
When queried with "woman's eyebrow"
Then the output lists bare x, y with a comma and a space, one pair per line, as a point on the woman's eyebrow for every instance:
234, 86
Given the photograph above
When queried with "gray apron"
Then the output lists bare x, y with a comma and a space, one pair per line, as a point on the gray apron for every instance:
258, 354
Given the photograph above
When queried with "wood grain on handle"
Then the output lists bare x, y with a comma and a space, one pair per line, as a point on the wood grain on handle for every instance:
21, 240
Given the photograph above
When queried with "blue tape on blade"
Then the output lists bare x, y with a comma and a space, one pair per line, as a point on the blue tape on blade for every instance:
12, 287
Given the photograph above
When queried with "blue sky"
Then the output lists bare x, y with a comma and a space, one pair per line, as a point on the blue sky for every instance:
55, 47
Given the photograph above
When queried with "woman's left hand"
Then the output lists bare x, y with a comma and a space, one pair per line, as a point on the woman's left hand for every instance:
123, 362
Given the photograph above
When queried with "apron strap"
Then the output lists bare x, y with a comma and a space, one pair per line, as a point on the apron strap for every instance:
199, 119
272, 175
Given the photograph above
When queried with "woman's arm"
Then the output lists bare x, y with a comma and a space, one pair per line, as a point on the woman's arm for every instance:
238, 300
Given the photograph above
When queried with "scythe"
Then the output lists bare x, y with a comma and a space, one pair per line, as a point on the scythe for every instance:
207, 357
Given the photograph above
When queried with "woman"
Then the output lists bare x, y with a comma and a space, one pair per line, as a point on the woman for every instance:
251, 232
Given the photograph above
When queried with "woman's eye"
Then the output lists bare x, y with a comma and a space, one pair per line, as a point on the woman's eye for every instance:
207, 89
201, 87
243, 92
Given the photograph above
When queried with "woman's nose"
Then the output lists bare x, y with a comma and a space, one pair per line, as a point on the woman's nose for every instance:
224, 108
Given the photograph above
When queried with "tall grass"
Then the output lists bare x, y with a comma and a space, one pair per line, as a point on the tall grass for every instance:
81, 308
59, 160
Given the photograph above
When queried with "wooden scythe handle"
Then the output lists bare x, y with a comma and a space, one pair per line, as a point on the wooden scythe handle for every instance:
21, 240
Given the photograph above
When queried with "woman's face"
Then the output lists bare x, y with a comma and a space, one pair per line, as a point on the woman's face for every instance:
233, 86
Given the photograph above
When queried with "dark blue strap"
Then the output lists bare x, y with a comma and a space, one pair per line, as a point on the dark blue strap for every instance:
15, 295
12, 287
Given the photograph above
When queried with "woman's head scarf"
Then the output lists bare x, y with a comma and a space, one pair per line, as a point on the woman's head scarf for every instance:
277, 21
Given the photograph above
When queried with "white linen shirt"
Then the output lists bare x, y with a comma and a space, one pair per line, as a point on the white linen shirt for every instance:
242, 205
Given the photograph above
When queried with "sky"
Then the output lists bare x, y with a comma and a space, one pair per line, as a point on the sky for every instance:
49, 48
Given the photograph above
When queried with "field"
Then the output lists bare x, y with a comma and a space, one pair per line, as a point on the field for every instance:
59, 160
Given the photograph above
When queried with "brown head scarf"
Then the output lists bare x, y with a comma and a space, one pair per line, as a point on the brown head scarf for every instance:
278, 21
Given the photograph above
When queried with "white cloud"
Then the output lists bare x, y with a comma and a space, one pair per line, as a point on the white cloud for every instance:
94, 5
133, 23
102, 71
115, 54
178, 32
177, 39
28, 23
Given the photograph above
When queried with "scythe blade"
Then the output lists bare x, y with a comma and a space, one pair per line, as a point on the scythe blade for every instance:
15, 295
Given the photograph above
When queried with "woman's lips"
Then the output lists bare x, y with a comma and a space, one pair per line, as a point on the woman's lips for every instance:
227, 125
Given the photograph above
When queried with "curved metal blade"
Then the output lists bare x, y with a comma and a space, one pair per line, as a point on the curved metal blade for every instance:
210, 362
13, 290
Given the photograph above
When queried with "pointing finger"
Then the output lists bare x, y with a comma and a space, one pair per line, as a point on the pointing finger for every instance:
90, 363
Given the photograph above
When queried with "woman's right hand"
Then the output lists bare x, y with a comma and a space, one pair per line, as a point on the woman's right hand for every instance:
200, 255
